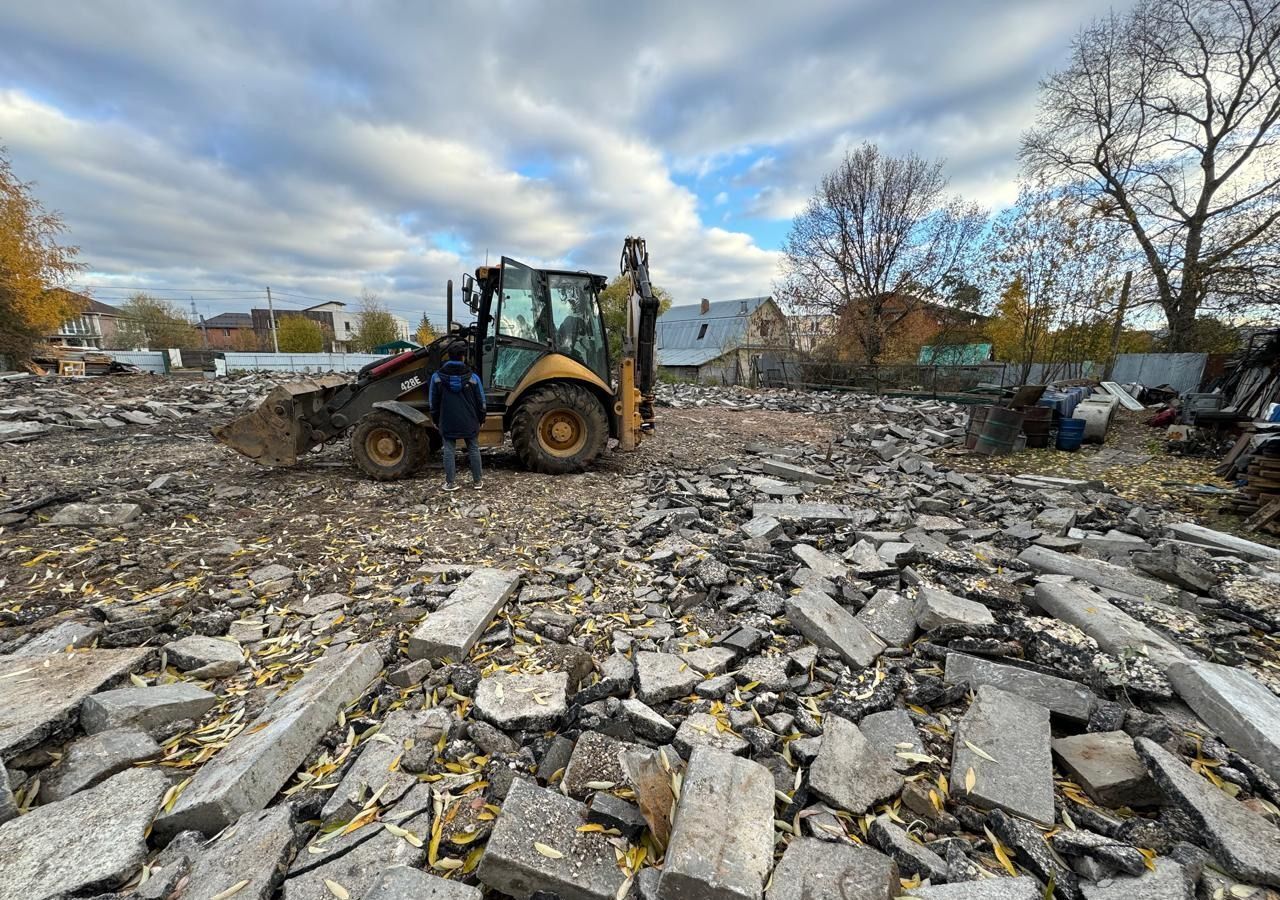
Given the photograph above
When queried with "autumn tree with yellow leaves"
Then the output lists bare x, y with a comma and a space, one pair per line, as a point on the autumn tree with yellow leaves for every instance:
33, 261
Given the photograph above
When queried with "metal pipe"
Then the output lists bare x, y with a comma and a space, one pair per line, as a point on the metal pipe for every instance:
448, 306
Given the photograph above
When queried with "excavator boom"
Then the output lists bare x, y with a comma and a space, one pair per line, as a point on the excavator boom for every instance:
640, 340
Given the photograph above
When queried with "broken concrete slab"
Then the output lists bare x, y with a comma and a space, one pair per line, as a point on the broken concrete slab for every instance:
67, 636
46, 854
813, 869
514, 701
828, 567
581, 865
721, 844
1105, 764
94, 759
596, 760
374, 770
892, 735
1066, 698
939, 524
256, 849
765, 528
805, 512
1024, 887
449, 633
1244, 843
1014, 732
890, 616
89, 515
248, 773
663, 676
912, 858
646, 723
358, 869
704, 730
849, 772
1167, 881
41, 695
404, 883
1095, 572
791, 472
864, 559
8, 805
710, 660
1198, 534
936, 607
1234, 704
205, 657
145, 708
1056, 521
1116, 631
1178, 569
829, 625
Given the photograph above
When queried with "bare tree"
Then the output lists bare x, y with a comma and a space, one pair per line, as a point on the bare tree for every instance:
1053, 264
1166, 120
879, 238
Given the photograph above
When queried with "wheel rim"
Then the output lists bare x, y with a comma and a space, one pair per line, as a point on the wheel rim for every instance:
562, 432
384, 447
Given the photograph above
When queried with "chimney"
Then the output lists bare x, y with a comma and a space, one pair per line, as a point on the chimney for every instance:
742, 307
706, 307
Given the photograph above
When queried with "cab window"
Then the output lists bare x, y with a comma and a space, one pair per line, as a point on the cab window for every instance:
575, 317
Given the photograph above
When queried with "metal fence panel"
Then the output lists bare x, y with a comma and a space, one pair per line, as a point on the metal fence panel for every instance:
146, 360
1181, 371
299, 362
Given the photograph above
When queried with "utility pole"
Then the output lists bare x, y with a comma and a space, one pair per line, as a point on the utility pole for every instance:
271, 309
204, 331
1118, 328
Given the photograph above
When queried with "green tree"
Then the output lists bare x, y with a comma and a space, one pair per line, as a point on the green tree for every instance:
426, 332
32, 264
1207, 335
613, 305
374, 324
154, 323
299, 334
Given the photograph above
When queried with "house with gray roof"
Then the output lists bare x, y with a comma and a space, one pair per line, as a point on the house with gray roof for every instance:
720, 342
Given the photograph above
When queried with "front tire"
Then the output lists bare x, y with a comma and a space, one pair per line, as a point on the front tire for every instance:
387, 447
560, 428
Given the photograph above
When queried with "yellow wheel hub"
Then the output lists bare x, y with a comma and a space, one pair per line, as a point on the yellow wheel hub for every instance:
562, 432
384, 447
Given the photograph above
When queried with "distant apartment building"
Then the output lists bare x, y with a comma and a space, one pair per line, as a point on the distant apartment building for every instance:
230, 331
94, 329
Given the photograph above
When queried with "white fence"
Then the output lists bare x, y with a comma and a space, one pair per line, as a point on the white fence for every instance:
299, 362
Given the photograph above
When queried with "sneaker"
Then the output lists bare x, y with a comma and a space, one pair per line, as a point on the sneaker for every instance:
450, 487
477, 485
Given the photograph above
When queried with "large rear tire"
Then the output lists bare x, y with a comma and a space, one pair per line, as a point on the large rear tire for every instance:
387, 447
559, 428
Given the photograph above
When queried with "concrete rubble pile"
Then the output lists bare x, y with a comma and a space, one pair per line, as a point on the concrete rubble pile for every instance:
838, 671
47, 406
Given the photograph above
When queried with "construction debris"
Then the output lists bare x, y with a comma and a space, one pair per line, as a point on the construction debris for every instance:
829, 665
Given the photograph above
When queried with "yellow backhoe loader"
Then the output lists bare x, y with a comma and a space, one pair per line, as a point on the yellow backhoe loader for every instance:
537, 339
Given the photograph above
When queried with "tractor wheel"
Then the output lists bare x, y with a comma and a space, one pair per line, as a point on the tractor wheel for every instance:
387, 447
560, 428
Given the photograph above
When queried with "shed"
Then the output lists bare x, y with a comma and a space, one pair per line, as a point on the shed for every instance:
719, 342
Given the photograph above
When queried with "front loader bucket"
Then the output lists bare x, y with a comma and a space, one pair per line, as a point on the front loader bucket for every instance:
281, 428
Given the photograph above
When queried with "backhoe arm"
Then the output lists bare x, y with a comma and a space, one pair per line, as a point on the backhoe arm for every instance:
642, 323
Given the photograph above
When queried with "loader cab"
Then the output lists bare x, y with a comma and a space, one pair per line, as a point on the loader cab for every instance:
524, 314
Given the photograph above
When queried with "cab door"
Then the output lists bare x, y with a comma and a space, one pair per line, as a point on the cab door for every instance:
520, 333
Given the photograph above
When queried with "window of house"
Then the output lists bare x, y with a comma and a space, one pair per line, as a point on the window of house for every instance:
348, 324
702, 331
226, 332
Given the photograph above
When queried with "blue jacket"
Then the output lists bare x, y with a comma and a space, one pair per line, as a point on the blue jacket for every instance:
456, 398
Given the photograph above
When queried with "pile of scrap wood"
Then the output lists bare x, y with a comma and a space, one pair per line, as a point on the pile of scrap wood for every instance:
1259, 495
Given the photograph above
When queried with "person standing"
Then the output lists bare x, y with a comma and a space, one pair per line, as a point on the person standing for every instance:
457, 403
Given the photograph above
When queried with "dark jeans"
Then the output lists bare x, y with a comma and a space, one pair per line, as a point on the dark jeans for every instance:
451, 459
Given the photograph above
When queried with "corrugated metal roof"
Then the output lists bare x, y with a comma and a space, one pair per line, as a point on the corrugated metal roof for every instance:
230, 320
687, 333
695, 357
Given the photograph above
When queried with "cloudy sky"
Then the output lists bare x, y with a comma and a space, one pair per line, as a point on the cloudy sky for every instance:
207, 150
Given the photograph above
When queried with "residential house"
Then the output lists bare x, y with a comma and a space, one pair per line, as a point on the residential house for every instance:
720, 342
341, 325
230, 331
95, 327
911, 325
809, 333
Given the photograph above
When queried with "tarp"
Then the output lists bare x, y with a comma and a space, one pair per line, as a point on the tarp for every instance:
954, 355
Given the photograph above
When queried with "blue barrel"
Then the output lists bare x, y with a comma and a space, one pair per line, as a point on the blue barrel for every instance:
1070, 434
